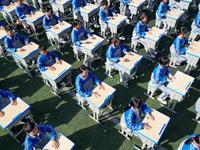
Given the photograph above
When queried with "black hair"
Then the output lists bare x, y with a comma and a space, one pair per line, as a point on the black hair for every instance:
182, 30
142, 16
8, 28
18, 0
113, 40
135, 102
163, 61
82, 68
28, 127
196, 139
46, 9
76, 22
42, 47
104, 2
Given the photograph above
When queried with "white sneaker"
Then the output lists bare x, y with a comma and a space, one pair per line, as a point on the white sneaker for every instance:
162, 101
91, 30
178, 63
122, 38
194, 5
155, 52
96, 25
128, 21
132, 78
62, 41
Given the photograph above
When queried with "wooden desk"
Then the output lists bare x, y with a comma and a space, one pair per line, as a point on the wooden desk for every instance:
10, 8
185, 4
60, 28
65, 143
136, 6
58, 77
11, 13
63, 4
158, 126
13, 114
105, 99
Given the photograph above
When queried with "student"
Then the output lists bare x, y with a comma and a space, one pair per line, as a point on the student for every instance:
177, 49
22, 11
50, 20
159, 80
114, 54
46, 59
14, 41
191, 143
140, 31
131, 118
78, 37
4, 4
5, 98
2, 27
124, 9
37, 138
162, 12
85, 83
196, 23
197, 108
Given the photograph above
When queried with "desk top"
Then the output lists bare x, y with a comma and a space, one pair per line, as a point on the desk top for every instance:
92, 43
10, 9
27, 50
62, 2
61, 28
196, 51
117, 20
60, 70
181, 84
65, 143
33, 18
13, 112
104, 95
158, 126
2, 34
187, 1
175, 14
156, 34
88, 9
133, 60
136, 3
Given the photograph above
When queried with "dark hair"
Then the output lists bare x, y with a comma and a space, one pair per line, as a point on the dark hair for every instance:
163, 61
75, 22
135, 102
28, 127
82, 68
104, 2
182, 30
46, 9
18, 0
142, 16
195, 138
42, 47
8, 28
113, 40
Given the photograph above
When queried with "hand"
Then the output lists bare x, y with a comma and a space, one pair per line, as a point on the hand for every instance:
84, 41
95, 94
6, 7
146, 126
101, 87
13, 102
123, 59
58, 61
32, 13
149, 33
12, 4
91, 37
169, 80
111, 17
151, 30
27, 43
2, 28
193, 44
2, 113
172, 77
83, 8
115, 15
132, 2
88, 4
28, 15
51, 68
190, 48
55, 144
150, 116
19, 49
61, 23
54, 27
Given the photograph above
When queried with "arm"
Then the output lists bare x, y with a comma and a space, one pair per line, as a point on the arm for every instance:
158, 77
57, 18
40, 64
178, 48
75, 6
8, 46
19, 13
94, 78
131, 122
122, 47
7, 95
74, 39
29, 10
45, 24
79, 87
110, 56
110, 11
197, 20
160, 11
86, 34
125, 2
54, 56
102, 17
49, 129
28, 145
138, 30
23, 38
1, 24
145, 109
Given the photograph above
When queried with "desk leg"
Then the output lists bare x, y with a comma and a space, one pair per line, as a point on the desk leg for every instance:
2, 53
26, 69
34, 31
95, 116
169, 105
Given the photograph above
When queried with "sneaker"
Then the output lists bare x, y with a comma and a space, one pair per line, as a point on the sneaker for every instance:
18, 21
128, 21
122, 38
29, 31
91, 30
194, 5
155, 52
96, 25
162, 101
178, 63
62, 41
132, 78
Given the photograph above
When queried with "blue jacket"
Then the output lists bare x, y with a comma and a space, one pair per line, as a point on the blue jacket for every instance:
162, 8
29, 141
111, 50
191, 145
42, 59
130, 117
1, 24
159, 74
7, 94
76, 4
141, 28
103, 16
75, 33
80, 82
20, 11
4, 3
125, 2
8, 42
179, 45
46, 21
197, 20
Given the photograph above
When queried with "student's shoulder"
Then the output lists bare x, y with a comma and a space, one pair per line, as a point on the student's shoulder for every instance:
78, 78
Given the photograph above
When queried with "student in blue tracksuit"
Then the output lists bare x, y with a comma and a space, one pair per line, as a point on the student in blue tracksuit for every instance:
46, 59
14, 41
5, 98
124, 9
2, 27
4, 4
177, 49
197, 108
22, 11
131, 118
191, 143
78, 37
159, 80
141, 30
114, 54
196, 23
162, 12
37, 137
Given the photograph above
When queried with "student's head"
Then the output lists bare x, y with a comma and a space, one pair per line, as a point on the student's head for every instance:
164, 1
182, 32
104, 4
20, 2
76, 24
47, 11
42, 49
195, 140
9, 30
83, 71
164, 61
114, 41
135, 103
30, 128
142, 17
